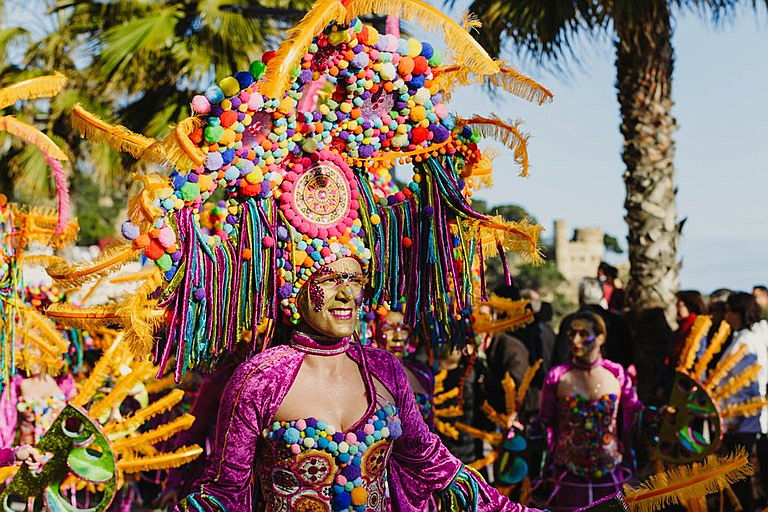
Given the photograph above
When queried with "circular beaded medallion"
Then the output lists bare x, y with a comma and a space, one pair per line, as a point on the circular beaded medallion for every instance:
321, 195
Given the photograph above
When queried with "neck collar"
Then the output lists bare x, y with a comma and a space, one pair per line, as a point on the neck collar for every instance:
586, 366
319, 345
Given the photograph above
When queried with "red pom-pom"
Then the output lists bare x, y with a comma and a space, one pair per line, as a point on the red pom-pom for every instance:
407, 242
420, 65
141, 241
268, 241
228, 118
267, 56
247, 254
400, 197
154, 250
196, 136
419, 135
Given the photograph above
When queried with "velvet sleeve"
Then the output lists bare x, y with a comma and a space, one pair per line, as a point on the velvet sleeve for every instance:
6, 456
226, 483
548, 403
421, 469
630, 402
9, 415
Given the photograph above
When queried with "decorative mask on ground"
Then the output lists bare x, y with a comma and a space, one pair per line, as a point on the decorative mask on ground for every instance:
302, 144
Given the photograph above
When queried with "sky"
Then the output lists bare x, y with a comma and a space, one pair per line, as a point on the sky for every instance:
720, 90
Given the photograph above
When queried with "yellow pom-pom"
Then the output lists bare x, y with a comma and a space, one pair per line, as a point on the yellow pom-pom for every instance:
375, 219
230, 86
359, 496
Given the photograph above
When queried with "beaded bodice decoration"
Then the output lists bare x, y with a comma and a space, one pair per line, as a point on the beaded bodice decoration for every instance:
586, 441
310, 466
36, 416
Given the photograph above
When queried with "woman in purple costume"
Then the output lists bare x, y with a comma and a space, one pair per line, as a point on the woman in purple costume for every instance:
588, 407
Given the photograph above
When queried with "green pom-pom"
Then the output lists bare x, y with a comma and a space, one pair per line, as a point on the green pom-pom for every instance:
257, 69
309, 145
190, 191
436, 59
164, 262
213, 133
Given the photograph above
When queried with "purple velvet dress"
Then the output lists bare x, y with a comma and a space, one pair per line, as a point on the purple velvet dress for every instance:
584, 435
253, 451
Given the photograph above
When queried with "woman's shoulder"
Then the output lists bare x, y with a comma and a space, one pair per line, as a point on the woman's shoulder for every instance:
271, 359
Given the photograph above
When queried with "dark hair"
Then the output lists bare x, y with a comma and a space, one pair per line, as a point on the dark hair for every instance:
721, 294
693, 301
506, 291
609, 270
760, 287
598, 324
746, 306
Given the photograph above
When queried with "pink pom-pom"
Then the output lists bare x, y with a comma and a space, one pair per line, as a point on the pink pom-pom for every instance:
200, 104
166, 237
268, 241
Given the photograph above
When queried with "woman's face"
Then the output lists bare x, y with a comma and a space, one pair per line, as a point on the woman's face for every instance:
682, 311
394, 333
585, 344
330, 301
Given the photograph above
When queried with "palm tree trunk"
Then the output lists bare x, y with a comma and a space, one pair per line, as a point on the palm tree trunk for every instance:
644, 61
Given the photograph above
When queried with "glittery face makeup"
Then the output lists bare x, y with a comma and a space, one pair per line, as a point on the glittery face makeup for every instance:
330, 302
394, 333
583, 340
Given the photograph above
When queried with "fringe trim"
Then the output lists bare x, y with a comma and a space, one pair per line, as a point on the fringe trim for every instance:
690, 481
156, 435
508, 79
50, 335
744, 409
122, 387
289, 54
530, 373
141, 211
175, 459
468, 51
725, 366
32, 135
177, 150
520, 237
507, 133
743, 379
118, 137
38, 87
99, 374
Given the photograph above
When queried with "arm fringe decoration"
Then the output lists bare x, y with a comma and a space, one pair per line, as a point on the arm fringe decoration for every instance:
510, 398
485, 461
31, 135
500, 420
121, 389
506, 133
142, 415
530, 373
744, 378
162, 461
452, 411
99, 373
73, 276
690, 481
156, 435
289, 54
693, 342
520, 237
715, 344
745, 409
468, 50
160, 385
492, 438
725, 366
444, 397
38, 87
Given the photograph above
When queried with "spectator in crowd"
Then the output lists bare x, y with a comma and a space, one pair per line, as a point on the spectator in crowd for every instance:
617, 345
760, 292
542, 312
690, 304
613, 292
743, 315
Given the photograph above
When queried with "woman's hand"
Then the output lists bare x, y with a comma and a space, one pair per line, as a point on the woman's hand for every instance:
29, 455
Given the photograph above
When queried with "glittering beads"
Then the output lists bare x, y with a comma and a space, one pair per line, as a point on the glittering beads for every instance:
358, 457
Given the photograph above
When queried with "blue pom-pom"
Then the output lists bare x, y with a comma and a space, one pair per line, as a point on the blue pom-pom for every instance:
291, 436
228, 155
426, 50
245, 79
214, 94
417, 82
342, 500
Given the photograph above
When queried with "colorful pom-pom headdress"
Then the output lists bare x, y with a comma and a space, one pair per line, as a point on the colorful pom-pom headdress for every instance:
301, 145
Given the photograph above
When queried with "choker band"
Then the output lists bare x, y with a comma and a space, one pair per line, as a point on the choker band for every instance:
310, 344
586, 366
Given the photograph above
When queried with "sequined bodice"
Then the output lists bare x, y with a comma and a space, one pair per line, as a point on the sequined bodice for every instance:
586, 442
309, 466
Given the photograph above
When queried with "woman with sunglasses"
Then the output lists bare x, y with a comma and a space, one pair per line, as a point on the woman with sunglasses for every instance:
588, 407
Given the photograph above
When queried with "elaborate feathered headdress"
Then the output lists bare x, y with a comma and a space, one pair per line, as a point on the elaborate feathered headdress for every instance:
298, 143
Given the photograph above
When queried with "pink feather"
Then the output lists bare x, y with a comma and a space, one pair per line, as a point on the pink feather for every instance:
308, 101
62, 191
393, 25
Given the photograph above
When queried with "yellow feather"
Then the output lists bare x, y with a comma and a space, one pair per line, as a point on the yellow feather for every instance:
446, 429
507, 133
99, 373
85, 318
289, 54
134, 276
520, 237
141, 211
159, 385
483, 324
715, 344
439, 382
468, 51
122, 387
38, 87
118, 137
142, 415
177, 150
7, 472
31, 135
175, 459
485, 461
690, 481
743, 379
500, 420
744, 409
156, 435
71, 276
508, 79
508, 384
692, 343
725, 366
145, 317
452, 411
492, 438
530, 373
92, 289
47, 329
444, 397
45, 348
